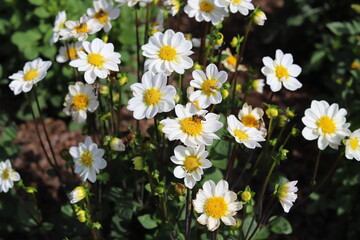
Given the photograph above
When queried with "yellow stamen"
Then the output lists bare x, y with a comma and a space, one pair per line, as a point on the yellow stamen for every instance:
231, 60
82, 28
101, 16
237, 1
283, 191
152, 96
30, 75
5, 174
96, 59
72, 54
240, 134
208, 86
354, 143
250, 121
80, 101
206, 6
86, 159
326, 124
167, 53
216, 207
281, 71
191, 163
191, 126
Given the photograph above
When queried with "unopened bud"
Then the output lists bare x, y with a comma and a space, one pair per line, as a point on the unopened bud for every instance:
220, 39
123, 80
224, 93
104, 90
282, 120
138, 163
81, 215
105, 38
234, 42
176, 98
246, 196
259, 17
294, 131
238, 87
117, 145
78, 194
179, 189
160, 127
197, 66
272, 112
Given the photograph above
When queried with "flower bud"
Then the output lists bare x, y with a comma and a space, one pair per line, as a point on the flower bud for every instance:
197, 66
78, 194
224, 93
273, 142
246, 196
220, 39
290, 113
179, 189
272, 112
259, 17
238, 87
104, 90
105, 38
116, 97
294, 131
160, 127
282, 120
81, 215
117, 145
355, 65
176, 98
234, 42
138, 163
123, 80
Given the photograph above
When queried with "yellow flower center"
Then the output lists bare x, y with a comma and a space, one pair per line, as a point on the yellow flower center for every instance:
240, 134
101, 16
326, 124
86, 159
30, 75
237, 1
354, 143
281, 71
191, 126
191, 163
82, 28
208, 86
152, 96
96, 59
283, 191
231, 60
250, 121
71, 54
167, 53
80, 101
5, 174
206, 6
216, 207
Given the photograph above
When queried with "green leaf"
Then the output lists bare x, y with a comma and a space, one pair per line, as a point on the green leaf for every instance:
247, 226
37, 2
67, 210
147, 222
216, 176
263, 233
103, 177
9, 133
280, 225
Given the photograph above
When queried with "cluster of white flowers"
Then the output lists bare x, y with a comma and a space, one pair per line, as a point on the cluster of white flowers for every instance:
97, 18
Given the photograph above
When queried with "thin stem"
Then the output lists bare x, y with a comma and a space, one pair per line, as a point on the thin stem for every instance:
137, 45
203, 42
313, 182
38, 132
188, 214
214, 234
146, 34
113, 115
93, 232
45, 131
181, 88
231, 163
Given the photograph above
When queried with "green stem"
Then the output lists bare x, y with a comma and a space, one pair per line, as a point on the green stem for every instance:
188, 214
44, 127
313, 182
137, 45
91, 219
231, 163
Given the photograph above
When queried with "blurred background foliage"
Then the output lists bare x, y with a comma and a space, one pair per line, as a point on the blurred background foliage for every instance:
324, 37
